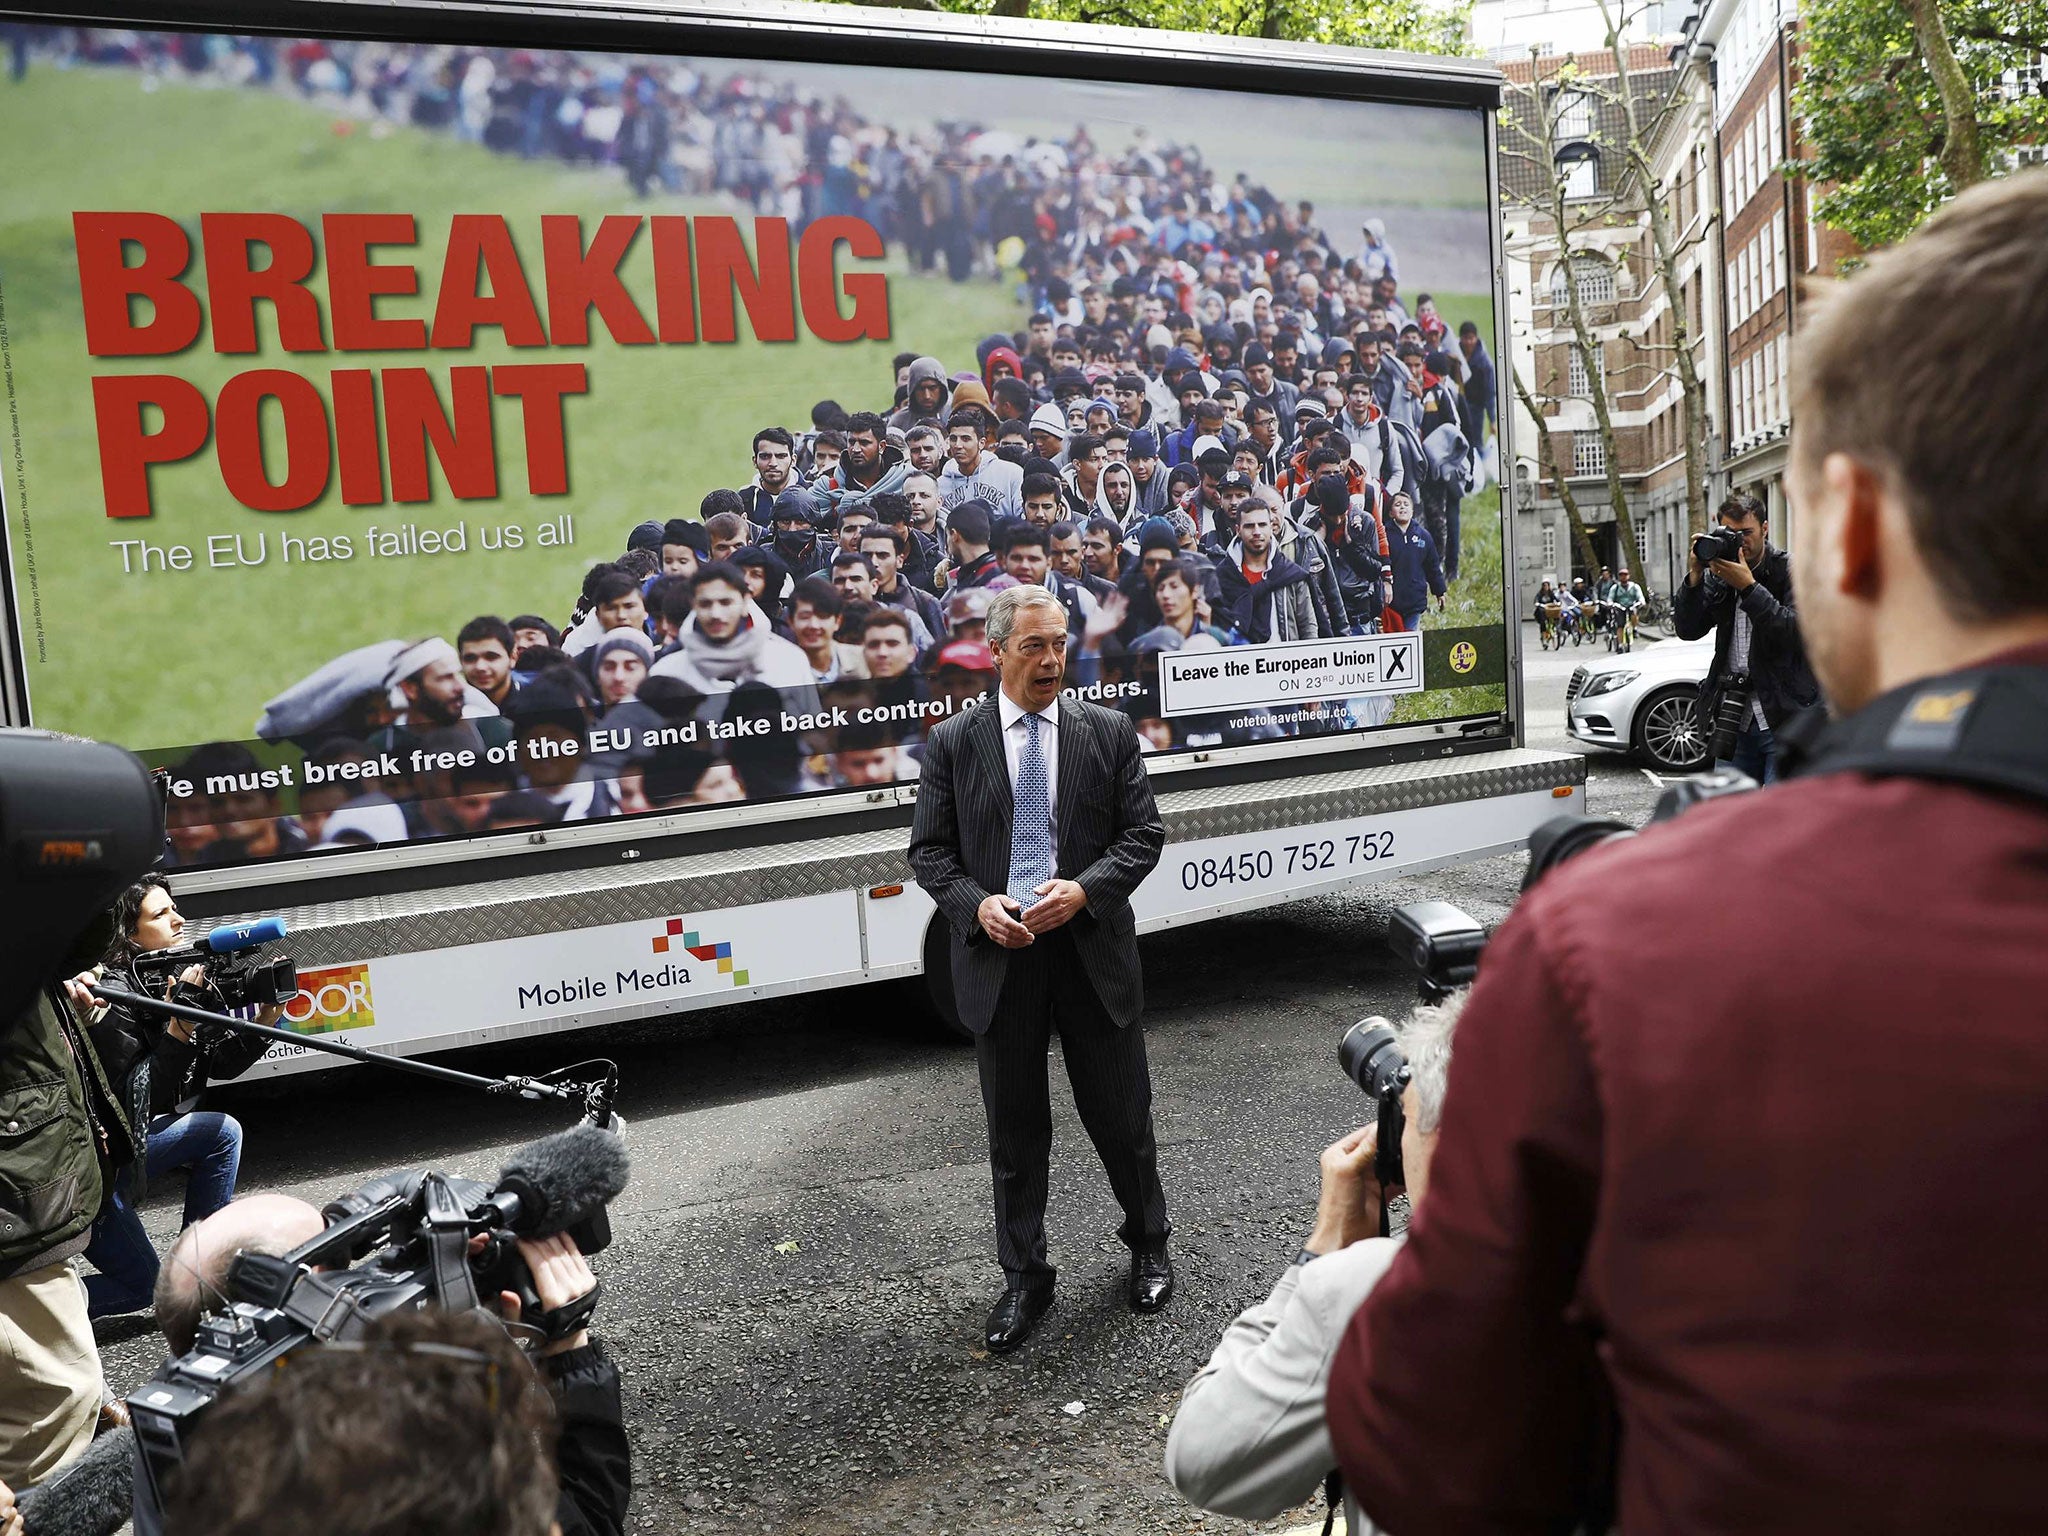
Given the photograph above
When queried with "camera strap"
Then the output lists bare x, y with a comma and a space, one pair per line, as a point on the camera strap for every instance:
1983, 726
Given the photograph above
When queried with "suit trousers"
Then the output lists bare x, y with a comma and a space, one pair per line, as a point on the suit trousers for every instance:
1045, 989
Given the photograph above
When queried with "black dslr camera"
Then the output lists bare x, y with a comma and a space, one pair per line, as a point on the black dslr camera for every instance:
236, 977
1717, 544
400, 1243
1443, 945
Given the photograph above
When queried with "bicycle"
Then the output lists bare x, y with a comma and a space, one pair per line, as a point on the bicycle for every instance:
1547, 637
1621, 633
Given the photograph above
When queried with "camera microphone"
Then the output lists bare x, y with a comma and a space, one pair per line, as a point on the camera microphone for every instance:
561, 1180
93, 1496
229, 937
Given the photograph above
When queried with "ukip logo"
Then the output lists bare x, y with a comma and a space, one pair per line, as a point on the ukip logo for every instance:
691, 941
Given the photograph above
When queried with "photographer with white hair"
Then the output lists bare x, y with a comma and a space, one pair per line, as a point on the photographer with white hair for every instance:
1250, 1439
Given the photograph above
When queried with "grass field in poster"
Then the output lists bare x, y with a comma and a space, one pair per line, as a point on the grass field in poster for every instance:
170, 658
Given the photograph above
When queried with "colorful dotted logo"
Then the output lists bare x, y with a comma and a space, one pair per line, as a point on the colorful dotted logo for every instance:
698, 949
1464, 657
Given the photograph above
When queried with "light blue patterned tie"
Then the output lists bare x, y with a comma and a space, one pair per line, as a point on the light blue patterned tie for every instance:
1031, 828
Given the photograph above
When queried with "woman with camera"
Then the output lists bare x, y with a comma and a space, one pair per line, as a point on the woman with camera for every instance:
159, 1066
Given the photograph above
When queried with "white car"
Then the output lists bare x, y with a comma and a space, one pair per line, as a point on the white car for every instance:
1644, 701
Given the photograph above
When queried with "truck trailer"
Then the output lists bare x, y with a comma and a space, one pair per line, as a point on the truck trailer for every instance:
388, 385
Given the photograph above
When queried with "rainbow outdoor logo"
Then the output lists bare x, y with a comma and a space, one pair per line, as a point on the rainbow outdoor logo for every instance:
333, 998
693, 942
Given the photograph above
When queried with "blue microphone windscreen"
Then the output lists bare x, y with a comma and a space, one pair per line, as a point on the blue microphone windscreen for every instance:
229, 937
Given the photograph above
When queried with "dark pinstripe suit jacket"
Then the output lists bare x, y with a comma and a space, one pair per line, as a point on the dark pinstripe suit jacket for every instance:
1107, 837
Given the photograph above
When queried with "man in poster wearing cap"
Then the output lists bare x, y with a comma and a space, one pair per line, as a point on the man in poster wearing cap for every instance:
1035, 823
1047, 431
427, 676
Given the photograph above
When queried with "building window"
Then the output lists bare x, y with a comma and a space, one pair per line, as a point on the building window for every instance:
2026, 81
1550, 546
1574, 116
1642, 546
1577, 385
1581, 176
1589, 454
1595, 279
1770, 357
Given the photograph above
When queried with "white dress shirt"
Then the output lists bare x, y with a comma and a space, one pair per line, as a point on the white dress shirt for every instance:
1014, 733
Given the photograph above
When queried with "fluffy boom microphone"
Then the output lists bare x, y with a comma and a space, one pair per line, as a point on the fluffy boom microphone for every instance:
561, 1180
94, 1496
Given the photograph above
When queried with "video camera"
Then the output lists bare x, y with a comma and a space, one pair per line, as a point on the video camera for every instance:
400, 1243
239, 979
80, 821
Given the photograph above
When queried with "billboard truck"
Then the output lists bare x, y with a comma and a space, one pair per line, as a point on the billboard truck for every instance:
534, 476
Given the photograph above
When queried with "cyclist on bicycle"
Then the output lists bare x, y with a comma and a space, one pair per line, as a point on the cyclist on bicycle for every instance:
1546, 611
1603, 598
1570, 619
1626, 598
1628, 593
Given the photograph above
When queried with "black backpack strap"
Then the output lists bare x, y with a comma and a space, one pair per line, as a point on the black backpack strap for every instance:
1983, 726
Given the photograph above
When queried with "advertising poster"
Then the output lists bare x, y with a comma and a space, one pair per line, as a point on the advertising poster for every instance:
410, 441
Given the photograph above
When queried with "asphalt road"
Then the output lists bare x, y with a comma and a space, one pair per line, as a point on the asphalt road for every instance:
801, 1268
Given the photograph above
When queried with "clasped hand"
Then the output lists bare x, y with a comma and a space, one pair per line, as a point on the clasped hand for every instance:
1013, 925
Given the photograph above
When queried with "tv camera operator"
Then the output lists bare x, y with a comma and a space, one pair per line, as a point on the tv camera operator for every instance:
1735, 1207
1740, 587
81, 821
1250, 1439
434, 1424
159, 1065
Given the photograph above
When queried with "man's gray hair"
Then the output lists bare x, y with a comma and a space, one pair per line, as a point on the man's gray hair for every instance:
1426, 1042
1005, 605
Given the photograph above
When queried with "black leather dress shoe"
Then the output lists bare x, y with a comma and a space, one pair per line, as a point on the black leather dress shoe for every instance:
1016, 1313
1151, 1280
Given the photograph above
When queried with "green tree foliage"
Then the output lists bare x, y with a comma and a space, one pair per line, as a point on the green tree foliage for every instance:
1412, 26
1875, 114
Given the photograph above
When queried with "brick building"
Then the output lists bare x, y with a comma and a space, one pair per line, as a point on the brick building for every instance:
1613, 264
1772, 244
1722, 96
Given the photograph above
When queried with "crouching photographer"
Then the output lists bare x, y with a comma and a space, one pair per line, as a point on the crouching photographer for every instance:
159, 1066
1250, 1438
1740, 587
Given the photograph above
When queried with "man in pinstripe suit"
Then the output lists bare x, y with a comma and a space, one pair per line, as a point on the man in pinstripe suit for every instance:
1035, 822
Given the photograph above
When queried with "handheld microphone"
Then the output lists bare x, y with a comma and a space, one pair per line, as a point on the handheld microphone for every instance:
561, 1180
229, 937
93, 1496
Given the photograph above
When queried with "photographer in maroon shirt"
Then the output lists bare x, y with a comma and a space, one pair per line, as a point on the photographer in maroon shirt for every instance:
1740, 1205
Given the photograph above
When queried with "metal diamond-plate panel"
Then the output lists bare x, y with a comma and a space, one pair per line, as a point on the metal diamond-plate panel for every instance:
328, 933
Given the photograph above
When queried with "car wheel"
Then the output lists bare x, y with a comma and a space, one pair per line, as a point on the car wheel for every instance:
1667, 731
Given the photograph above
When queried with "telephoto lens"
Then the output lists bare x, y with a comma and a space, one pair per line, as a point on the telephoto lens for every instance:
1372, 1058
1731, 716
